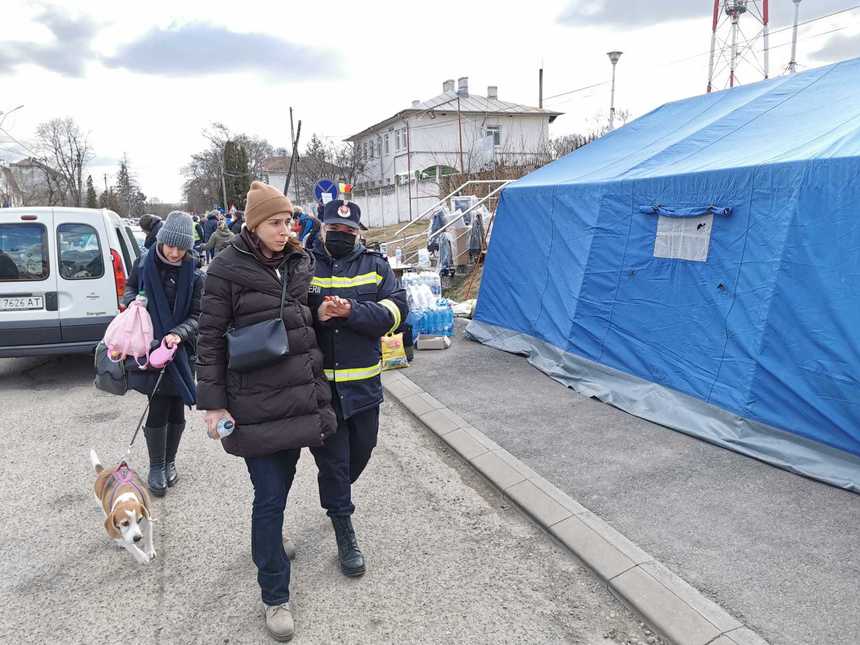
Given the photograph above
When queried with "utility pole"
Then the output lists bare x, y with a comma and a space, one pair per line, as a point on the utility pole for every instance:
223, 185
409, 168
292, 139
460, 132
792, 65
540, 87
295, 153
613, 57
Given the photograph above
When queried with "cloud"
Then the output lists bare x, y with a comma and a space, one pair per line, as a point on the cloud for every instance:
580, 13
840, 47
69, 52
194, 49
624, 13
198, 49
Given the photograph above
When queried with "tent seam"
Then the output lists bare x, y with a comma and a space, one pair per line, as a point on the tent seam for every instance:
620, 271
735, 289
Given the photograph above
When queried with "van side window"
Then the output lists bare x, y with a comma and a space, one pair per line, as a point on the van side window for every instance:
23, 252
80, 252
135, 247
122, 246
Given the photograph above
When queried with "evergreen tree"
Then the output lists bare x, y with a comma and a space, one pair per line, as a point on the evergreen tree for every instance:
124, 187
92, 202
237, 178
129, 198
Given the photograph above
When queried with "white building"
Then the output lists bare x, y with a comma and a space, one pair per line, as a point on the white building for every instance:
402, 158
30, 183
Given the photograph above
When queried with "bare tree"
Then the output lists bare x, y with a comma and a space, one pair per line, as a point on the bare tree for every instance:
203, 174
66, 151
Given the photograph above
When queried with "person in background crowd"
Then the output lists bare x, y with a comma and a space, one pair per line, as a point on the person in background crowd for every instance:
209, 227
149, 224
238, 221
220, 238
356, 299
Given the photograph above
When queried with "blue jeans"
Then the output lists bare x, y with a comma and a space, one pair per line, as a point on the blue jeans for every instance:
343, 457
272, 477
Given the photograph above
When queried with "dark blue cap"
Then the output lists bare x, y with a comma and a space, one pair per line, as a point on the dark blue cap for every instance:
336, 212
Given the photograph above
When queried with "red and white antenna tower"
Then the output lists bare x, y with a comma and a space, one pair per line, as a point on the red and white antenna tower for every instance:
737, 29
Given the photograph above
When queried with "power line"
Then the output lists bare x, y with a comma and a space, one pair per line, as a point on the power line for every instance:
24, 146
687, 58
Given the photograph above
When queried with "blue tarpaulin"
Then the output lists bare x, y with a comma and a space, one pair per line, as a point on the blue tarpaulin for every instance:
700, 267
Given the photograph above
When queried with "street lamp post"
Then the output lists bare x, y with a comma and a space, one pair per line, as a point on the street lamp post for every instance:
613, 57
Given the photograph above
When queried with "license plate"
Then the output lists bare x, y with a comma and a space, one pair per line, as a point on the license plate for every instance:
22, 303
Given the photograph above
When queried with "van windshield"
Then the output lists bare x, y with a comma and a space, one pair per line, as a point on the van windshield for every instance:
23, 252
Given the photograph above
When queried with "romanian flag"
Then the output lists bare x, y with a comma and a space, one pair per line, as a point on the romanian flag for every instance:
344, 188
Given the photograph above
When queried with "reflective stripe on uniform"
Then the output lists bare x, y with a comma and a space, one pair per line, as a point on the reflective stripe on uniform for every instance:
337, 282
353, 374
395, 312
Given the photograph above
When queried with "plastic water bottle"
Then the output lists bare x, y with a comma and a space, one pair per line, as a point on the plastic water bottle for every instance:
225, 427
398, 256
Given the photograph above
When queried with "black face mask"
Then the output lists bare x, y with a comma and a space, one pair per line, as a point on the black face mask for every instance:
339, 244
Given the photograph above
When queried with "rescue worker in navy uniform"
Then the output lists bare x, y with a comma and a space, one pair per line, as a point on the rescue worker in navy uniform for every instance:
356, 299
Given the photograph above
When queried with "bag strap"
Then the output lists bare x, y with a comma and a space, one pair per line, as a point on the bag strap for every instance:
284, 288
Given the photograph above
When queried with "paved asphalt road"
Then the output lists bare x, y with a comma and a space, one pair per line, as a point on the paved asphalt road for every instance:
450, 561
780, 552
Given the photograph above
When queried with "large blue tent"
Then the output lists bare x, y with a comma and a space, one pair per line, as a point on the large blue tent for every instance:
700, 267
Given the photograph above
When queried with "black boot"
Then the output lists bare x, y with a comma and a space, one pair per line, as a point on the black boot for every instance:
174, 434
348, 554
156, 442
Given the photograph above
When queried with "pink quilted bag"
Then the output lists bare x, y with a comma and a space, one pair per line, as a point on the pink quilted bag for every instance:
130, 334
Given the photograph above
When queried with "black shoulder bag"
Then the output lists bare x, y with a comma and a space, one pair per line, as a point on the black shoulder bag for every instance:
258, 345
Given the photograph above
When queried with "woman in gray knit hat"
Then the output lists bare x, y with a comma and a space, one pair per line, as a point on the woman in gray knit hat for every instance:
167, 277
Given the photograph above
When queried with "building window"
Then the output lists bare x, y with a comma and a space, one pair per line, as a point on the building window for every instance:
364, 153
404, 138
370, 146
397, 140
386, 144
494, 131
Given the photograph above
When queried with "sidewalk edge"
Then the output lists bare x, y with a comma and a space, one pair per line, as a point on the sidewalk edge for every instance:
677, 610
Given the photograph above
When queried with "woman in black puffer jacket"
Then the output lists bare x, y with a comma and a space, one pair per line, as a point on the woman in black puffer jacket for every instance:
279, 409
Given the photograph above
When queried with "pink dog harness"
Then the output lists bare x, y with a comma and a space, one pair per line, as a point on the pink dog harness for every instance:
122, 474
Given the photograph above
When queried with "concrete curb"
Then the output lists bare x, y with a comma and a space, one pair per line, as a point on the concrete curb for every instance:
677, 610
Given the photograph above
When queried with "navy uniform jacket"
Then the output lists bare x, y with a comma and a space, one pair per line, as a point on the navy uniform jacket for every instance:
350, 346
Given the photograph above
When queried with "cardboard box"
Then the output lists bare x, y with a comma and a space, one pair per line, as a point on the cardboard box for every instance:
433, 342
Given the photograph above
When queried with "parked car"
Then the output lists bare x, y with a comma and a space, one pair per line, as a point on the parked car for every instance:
62, 275
139, 235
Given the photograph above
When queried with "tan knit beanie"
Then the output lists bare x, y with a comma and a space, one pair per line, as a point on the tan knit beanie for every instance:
263, 202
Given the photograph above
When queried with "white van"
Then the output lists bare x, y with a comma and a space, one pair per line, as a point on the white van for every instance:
62, 275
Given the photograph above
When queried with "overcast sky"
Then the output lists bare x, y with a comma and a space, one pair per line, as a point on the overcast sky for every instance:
146, 78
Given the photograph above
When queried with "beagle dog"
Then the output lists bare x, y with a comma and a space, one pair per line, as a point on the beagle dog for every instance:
125, 501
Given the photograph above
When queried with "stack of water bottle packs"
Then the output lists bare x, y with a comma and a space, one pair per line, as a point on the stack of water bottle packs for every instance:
429, 313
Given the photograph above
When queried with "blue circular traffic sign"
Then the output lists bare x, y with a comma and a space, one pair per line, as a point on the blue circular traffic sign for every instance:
325, 186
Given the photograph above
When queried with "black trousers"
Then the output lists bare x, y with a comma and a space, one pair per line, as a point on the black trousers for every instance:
343, 457
165, 409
